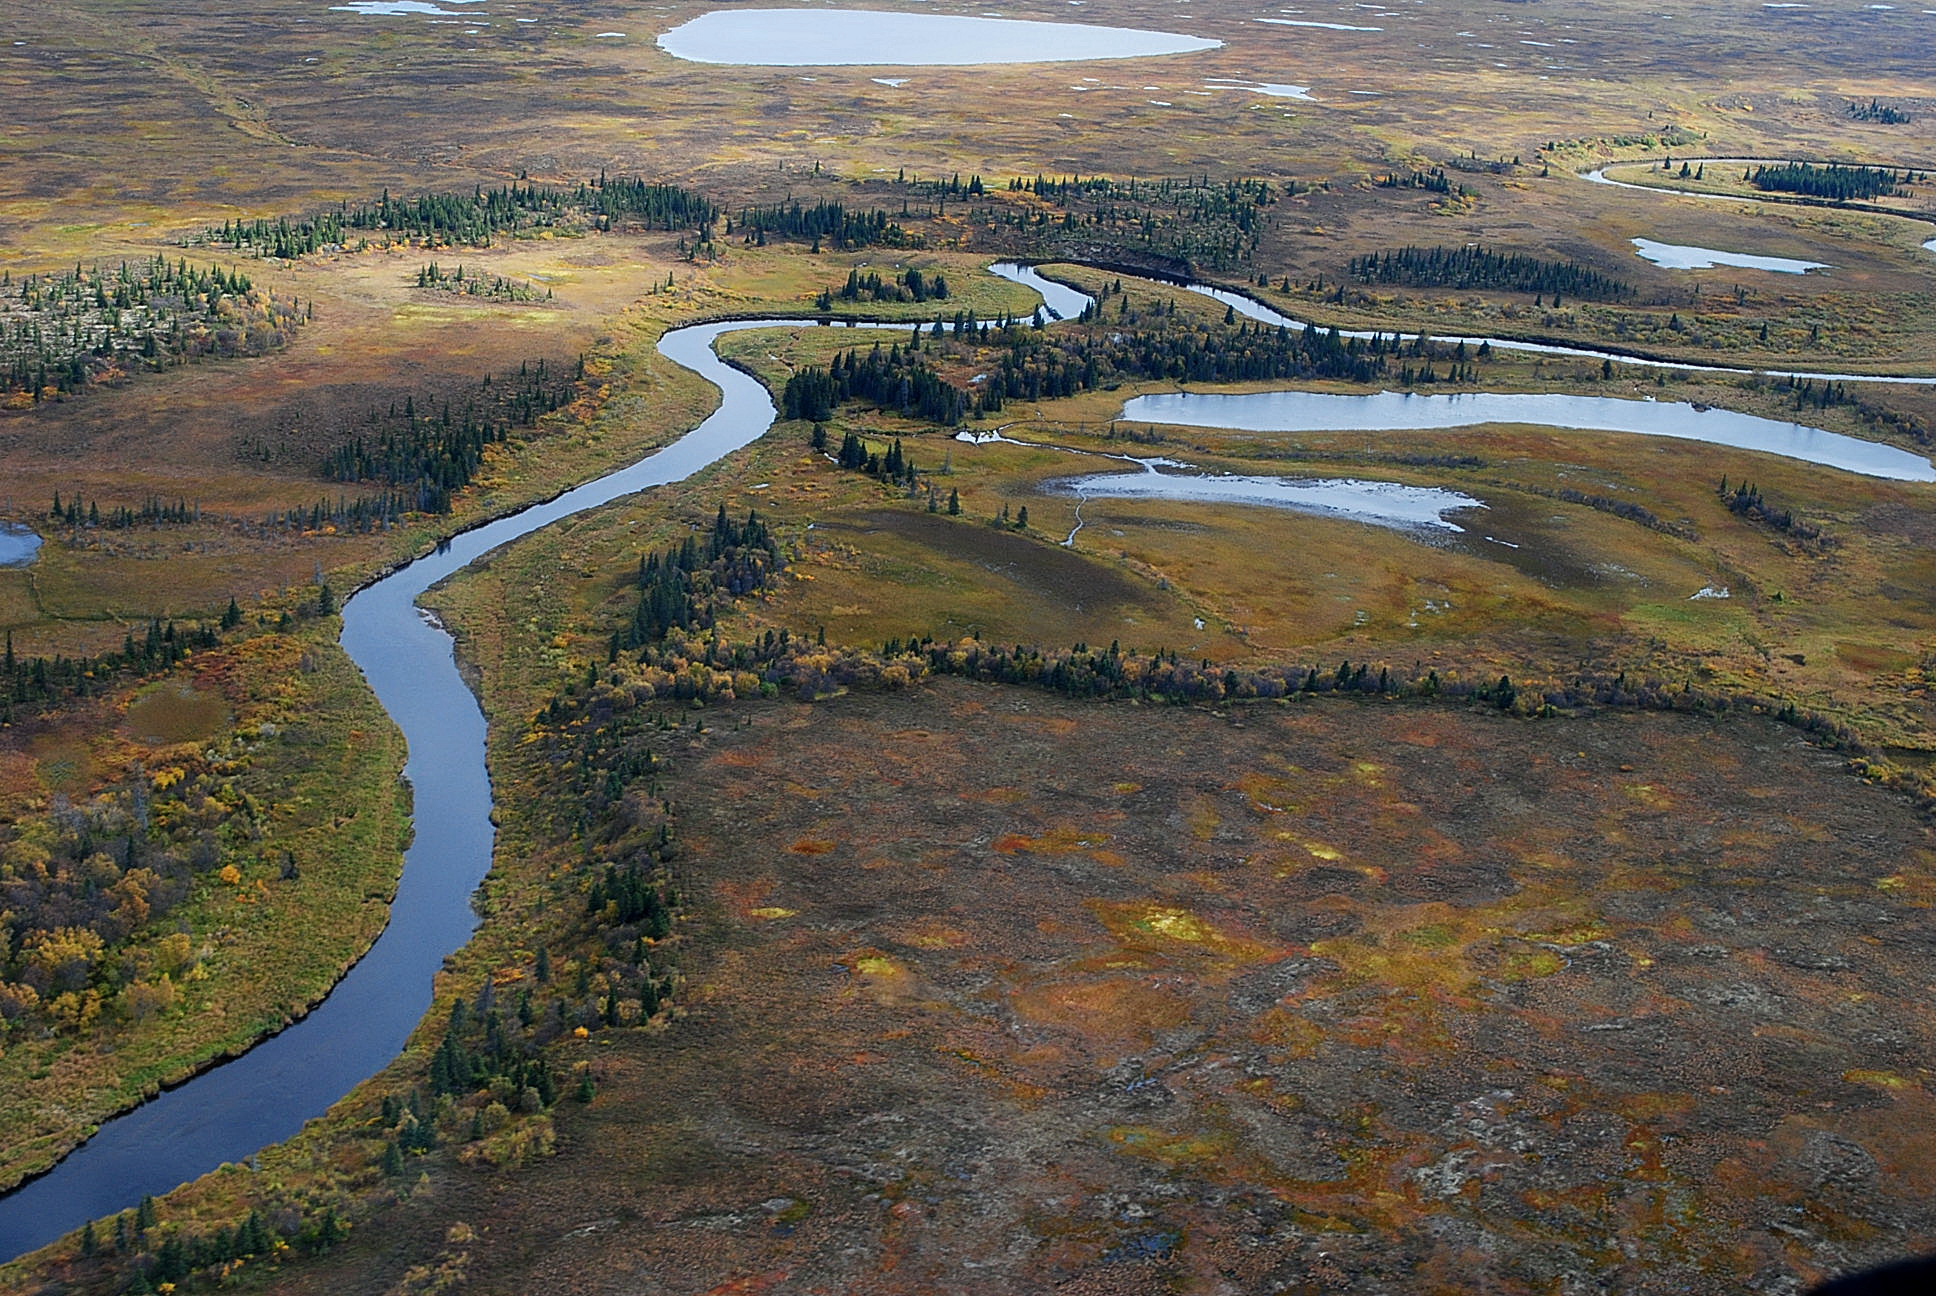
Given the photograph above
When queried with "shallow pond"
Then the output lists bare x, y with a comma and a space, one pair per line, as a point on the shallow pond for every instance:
1328, 26
18, 545
176, 712
1299, 411
827, 37
398, 8
1275, 89
1388, 504
1678, 256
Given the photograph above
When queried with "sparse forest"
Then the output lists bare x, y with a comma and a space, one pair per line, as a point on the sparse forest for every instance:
475, 219
431, 453
1881, 113
61, 332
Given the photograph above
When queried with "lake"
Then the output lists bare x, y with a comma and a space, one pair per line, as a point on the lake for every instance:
1387, 504
830, 37
1300, 411
1677, 256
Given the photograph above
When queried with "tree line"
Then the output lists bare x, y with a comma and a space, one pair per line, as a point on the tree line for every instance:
1746, 500
1474, 266
1035, 363
493, 287
910, 287
894, 467
1433, 181
32, 683
828, 222
472, 219
1834, 181
153, 511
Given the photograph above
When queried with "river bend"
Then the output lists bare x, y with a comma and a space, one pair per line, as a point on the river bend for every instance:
231, 1111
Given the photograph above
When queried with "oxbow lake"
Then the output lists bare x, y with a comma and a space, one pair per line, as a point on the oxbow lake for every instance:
1297, 411
1386, 504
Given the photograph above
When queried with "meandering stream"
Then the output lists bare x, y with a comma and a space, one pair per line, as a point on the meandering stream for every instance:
228, 1113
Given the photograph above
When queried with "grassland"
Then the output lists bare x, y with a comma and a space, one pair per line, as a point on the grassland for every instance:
1299, 995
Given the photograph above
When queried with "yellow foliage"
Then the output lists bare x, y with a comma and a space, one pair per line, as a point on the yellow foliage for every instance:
63, 955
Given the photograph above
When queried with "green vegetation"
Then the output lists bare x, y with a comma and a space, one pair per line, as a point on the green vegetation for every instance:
893, 379
1746, 500
1877, 111
1024, 361
1832, 181
1474, 266
35, 682
1188, 224
828, 222
79, 512
1433, 181
912, 286
679, 589
233, 856
474, 219
430, 455
491, 287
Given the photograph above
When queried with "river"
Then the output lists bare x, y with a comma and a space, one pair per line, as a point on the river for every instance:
228, 1113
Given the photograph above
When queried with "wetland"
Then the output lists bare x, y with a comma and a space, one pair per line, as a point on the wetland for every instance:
1477, 838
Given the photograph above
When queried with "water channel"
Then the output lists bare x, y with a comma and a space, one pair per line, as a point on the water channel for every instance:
1301, 411
230, 1112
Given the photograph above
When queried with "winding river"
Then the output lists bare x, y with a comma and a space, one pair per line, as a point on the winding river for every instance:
231, 1111
1599, 176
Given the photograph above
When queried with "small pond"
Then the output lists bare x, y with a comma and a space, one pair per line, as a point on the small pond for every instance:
1275, 89
1298, 411
1328, 26
1677, 256
396, 8
18, 545
1387, 504
827, 37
